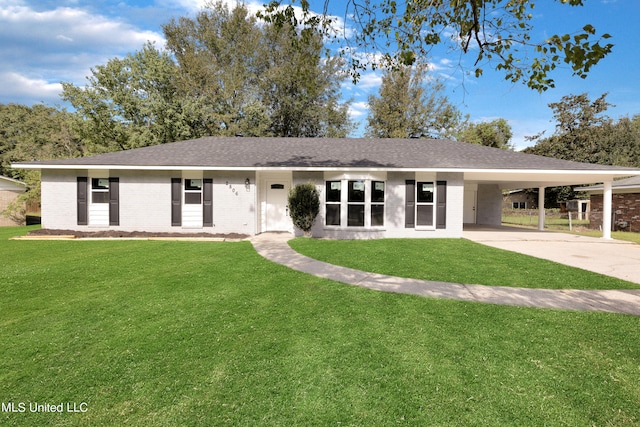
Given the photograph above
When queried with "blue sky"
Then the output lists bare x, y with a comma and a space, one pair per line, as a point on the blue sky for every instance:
43, 43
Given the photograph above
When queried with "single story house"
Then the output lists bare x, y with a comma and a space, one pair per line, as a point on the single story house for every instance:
519, 199
10, 190
370, 188
625, 213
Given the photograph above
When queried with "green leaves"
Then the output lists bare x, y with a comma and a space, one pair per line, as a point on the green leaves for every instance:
496, 31
304, 206
410, 105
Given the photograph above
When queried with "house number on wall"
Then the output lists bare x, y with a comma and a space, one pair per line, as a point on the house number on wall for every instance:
232, 188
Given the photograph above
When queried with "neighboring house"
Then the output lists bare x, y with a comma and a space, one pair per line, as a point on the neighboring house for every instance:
625, 205
370, 188
519, 199
10, 190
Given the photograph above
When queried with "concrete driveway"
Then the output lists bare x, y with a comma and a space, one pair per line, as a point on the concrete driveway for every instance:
610, 257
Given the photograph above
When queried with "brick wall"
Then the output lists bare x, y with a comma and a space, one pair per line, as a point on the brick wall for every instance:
625, 207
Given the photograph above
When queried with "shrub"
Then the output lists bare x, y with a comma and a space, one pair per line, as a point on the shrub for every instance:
304, 205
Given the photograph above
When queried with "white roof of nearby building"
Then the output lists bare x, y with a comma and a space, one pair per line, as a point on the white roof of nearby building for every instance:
12, 184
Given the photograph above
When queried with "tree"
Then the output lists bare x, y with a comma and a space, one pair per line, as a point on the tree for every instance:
220, 56
237, 73
304, 206
408, 106
131, 102
581, 126
493, 32
300, 89
496, 133
37, 132
585, 133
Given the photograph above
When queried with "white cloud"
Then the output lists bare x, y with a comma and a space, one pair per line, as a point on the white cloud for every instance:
370, 80
358, 110
40, 48
21, 86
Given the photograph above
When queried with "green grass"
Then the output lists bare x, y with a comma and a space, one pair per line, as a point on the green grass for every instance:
193, 333
456, 261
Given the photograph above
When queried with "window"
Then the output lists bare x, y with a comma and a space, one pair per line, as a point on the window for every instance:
355, 205
519, 205
361, 206
192, 191
333, 199
424, 203
98, 201
99, 190
377, 203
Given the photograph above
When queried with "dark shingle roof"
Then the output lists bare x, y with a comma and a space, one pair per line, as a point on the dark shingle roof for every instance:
298, 153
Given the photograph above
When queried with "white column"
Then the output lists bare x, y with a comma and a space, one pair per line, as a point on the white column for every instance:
606, 210
541, 208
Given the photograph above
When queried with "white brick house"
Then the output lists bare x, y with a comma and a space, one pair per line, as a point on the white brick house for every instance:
370, 188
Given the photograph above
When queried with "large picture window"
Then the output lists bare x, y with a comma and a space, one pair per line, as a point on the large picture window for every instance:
361, 205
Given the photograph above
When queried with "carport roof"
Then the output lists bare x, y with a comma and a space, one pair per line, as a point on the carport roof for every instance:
479, 163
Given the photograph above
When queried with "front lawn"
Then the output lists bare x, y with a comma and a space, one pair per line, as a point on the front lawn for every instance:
193, 333
454, 260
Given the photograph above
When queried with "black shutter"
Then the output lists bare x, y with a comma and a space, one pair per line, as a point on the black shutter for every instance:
207, 202
176, 202
441, 204
83, 206
410, 204
114, 201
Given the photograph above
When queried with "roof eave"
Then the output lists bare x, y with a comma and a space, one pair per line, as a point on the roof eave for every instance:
613, 173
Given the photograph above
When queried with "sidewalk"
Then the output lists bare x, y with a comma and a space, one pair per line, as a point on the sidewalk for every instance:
273, 246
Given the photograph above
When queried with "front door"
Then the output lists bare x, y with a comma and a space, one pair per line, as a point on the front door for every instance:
277, 213
469, 206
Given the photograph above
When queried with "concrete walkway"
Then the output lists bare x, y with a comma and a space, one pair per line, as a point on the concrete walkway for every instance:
274, 247
614, 258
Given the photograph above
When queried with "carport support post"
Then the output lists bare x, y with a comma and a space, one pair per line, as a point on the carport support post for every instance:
606, 210
541, 208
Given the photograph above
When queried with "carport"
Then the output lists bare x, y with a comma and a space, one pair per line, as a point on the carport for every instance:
506, 179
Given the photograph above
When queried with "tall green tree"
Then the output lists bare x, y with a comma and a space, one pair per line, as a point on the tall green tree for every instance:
238, 73
220, 56
496, 133
581, 126
38, 132
409, 105
131, 102
494, 33
585, 133
300, 89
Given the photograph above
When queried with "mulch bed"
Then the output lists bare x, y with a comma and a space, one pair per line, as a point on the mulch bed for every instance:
130, 234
